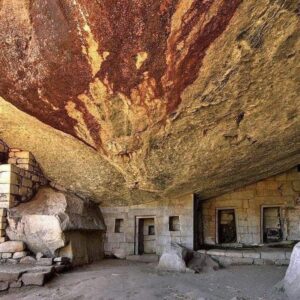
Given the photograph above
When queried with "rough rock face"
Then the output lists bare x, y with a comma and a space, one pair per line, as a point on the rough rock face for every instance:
44, 223
128, 101
292, 276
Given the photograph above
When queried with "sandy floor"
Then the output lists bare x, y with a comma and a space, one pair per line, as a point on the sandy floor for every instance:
117, 279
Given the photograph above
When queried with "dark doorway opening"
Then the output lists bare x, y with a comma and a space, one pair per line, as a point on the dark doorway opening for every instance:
146, 235
226, 226
272, 226
198, 223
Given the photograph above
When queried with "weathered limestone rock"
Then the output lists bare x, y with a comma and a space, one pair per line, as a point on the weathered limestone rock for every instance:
202, 263
4, 286
119, 253
292, 276
151, 103
12, 246
173, 260
28, 260
20, 254
50, 222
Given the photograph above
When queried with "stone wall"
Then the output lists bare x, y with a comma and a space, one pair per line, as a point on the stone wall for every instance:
282, 190
20, 178
18, 184
126, 242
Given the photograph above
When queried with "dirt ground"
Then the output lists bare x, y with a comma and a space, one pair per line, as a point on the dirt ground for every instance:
119, 279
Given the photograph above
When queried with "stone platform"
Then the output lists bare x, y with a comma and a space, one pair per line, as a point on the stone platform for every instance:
15, 276
256, 256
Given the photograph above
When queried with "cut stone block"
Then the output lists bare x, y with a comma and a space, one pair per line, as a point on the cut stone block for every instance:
242, 261
36, 278
28, 260
15, 284
24, 154
251, 254
9, 276
2, 212
232, 253
6, 255
45, 261
272, 255
12, 246
20, 254
217, 252
282, 262
4, 286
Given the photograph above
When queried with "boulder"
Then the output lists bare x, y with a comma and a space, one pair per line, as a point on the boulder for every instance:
119, 253
181, 259
173, 259
292, 277
202, 263
12, 246
45, 222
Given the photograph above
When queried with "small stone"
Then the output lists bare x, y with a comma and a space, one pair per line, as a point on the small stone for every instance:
15, 284
28, 260
12, 246
6, 255
4, 286
39, 255
62, 260
12, 261
20, 254
45, 261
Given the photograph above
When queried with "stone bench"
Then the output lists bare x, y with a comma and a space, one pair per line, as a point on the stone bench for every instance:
249, 257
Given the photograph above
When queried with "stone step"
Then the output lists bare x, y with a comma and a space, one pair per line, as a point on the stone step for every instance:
15, 275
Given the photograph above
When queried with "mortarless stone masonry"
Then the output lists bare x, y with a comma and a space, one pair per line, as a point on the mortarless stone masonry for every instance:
126, 240
282, 190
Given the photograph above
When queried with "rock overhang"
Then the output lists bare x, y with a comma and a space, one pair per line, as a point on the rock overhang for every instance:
157, 99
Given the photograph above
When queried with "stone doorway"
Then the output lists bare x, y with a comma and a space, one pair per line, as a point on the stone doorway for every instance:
271, 224
145, 235
226, 226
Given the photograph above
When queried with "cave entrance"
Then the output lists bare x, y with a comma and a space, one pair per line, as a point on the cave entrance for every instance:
271, 224
145, 235
226, 226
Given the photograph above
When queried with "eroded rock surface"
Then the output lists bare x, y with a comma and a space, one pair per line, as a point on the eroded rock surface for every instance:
129, 101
